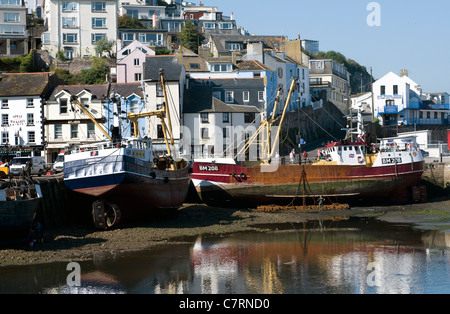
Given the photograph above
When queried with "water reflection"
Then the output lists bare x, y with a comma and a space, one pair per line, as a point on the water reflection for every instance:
332, 257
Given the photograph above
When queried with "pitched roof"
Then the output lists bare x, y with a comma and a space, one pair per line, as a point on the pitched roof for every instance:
199, 96
172, 69
26, 84
98, 91
127, 89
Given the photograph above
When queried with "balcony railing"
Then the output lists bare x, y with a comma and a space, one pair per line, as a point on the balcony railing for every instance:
13, 30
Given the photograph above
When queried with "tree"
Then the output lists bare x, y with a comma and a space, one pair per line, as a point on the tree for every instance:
27, 64
94, 75
191, 37
129, 22
105, 45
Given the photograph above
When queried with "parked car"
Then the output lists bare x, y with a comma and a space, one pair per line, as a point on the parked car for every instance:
19, 164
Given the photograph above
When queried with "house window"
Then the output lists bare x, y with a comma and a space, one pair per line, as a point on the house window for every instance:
260, 96
159, 90
97, 36
132, 13
30, 119
58, 131
136, 61
428, 115
319, 65
225, 117
11, 17
98, 6
68, 52
234, 47
31, 137
221, 68
137, 77
30, 103
98, 22
225, 132
69, 22
128, 36
5, 120
5, 104
383, 90
209, 25
151, 39
218, 95
134, 106
204, 117
74, 131
246, 96
226, 25
69, 6
159, 130
205, 133
229, 97
395, 89
249, 117
62, 106
91, 130
70, 38
5, 137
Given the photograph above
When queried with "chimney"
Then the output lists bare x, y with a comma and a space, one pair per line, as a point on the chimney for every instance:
155, 20
404, 72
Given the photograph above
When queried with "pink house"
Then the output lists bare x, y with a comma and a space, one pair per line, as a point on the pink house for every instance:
130, 62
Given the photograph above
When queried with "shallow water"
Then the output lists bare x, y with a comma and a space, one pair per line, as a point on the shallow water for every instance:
347, 256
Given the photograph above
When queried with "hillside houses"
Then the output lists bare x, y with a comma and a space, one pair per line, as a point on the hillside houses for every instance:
229, 84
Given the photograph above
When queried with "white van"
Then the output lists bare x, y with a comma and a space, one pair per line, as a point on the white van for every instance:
58, 166
19, 164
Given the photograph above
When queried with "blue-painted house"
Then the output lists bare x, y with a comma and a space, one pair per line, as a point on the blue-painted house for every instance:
131, 100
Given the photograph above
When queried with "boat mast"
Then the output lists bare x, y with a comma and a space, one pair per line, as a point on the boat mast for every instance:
74, 99
161, 114
288, 99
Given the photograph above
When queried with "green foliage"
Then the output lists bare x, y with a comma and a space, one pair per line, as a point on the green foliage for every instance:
10, 64
60, 55
94, 75
163, 52
27, 64
104, 45
191, 37
129, 22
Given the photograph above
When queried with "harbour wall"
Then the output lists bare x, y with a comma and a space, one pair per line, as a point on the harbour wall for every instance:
60, 206
437, 178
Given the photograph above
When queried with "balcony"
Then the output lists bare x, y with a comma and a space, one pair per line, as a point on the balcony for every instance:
13, 31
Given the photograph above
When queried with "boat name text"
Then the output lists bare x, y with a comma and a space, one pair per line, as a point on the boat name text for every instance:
392, 160
208, 168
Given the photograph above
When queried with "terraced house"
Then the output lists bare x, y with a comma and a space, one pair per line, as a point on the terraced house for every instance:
75, 26
13, 28
22, 98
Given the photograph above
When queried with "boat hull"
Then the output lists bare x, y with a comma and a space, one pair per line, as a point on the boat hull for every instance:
252, 186
128, 183
16, 218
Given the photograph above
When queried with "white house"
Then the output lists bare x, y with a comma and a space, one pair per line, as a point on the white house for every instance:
400, 100
21, 108
174, 78
67, 124
75, 26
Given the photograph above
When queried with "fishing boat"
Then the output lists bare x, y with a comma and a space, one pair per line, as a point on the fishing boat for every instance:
128, 175
19, 203
349, 170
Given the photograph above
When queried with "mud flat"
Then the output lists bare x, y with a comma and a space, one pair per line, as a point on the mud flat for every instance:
82, 242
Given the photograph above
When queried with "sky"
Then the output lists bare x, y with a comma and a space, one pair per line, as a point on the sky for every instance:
400, 34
